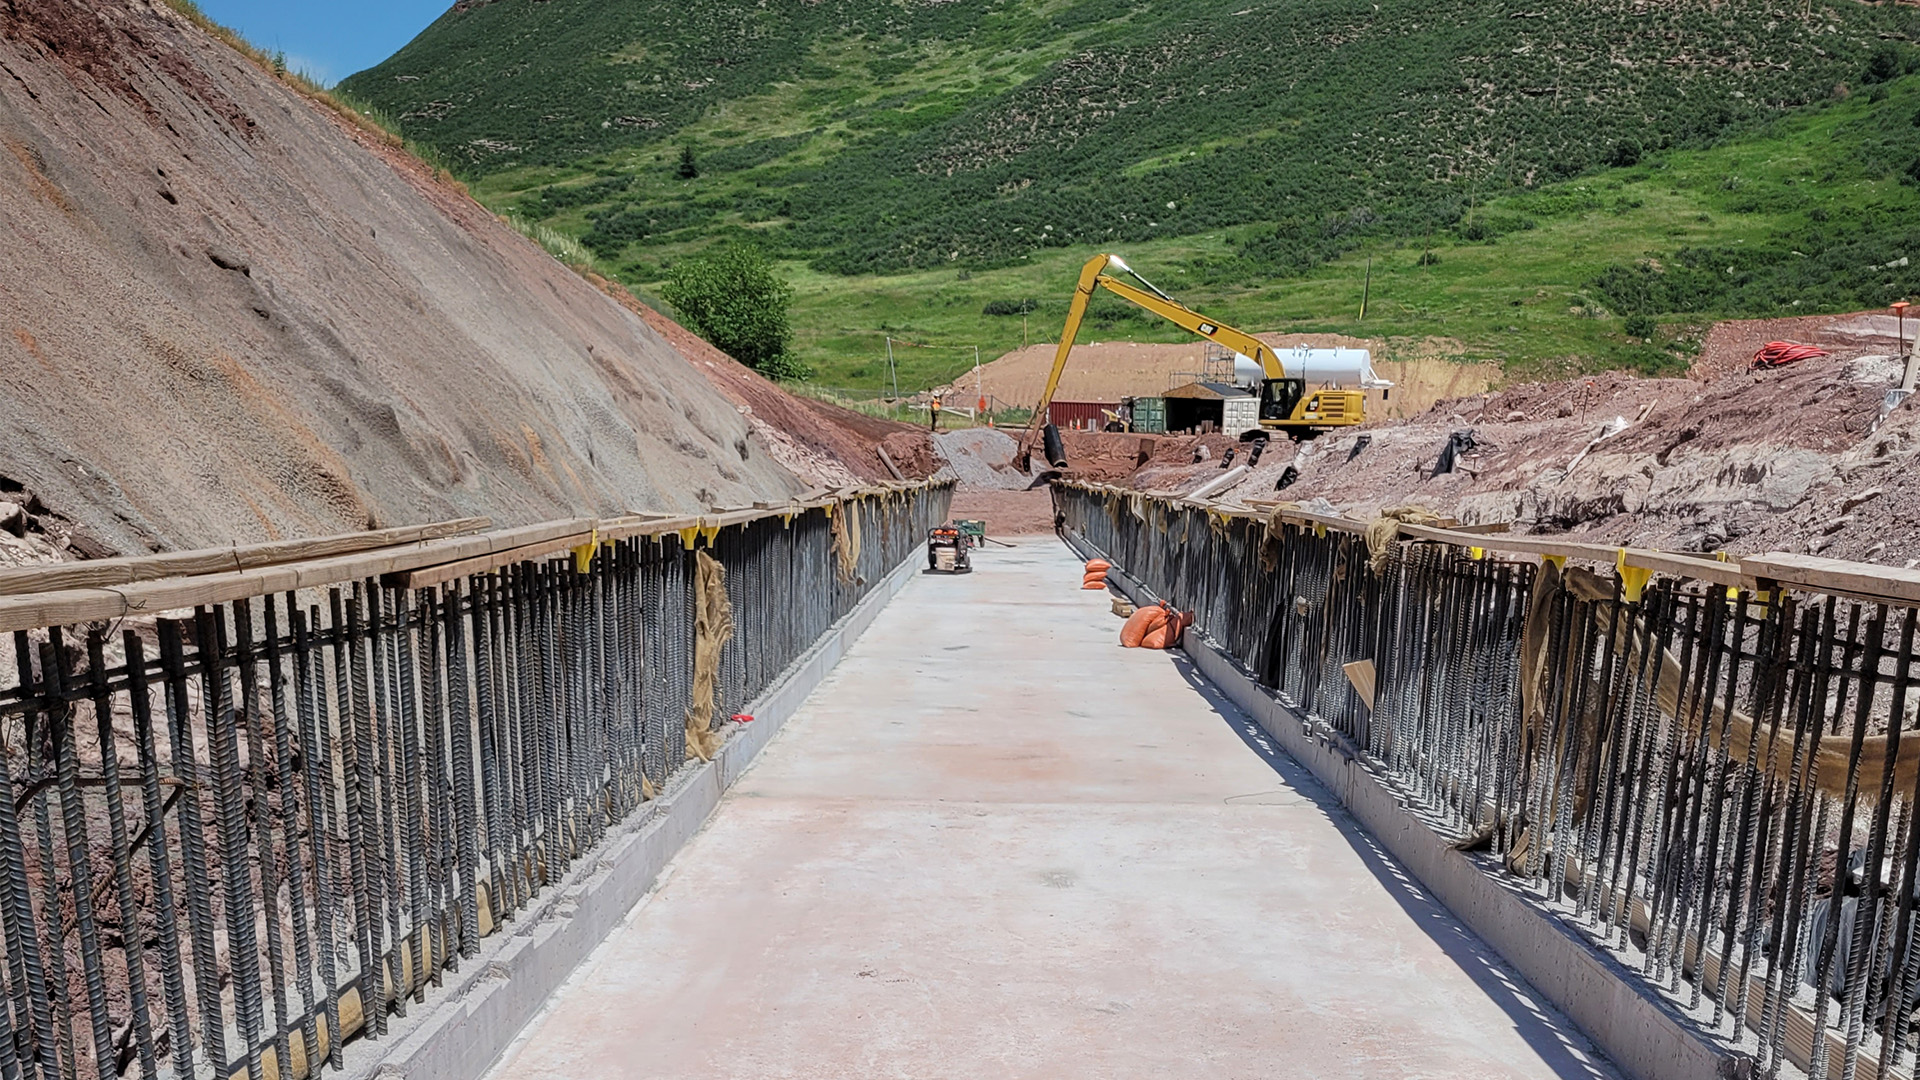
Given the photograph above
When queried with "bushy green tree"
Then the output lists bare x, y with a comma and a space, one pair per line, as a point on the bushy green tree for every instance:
733, 299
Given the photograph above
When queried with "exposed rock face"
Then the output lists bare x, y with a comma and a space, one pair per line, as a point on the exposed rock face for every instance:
228, 315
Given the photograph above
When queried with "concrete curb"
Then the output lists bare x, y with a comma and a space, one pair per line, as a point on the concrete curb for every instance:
1642, 1034
463, 1029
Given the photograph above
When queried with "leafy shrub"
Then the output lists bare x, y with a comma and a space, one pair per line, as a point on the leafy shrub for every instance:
1887, 62
1624, 153
732, 298
1641, 326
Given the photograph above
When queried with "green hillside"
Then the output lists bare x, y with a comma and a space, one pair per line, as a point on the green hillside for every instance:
913, 162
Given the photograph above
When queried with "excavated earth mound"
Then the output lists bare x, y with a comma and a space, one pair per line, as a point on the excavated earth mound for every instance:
1422, 371
1806, 458
227, 314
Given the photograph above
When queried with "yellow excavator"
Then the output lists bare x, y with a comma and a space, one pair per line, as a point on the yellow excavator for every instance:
1286, 404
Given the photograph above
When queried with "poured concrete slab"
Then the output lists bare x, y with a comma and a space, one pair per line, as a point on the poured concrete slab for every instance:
995, 844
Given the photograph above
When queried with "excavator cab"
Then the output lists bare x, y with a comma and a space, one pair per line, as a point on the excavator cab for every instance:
1286, 405
1278, 397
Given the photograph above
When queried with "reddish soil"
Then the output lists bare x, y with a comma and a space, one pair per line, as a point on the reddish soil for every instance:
1730, 346
1423, 371
1007, 513
1788, 459
1109, 457
911, 450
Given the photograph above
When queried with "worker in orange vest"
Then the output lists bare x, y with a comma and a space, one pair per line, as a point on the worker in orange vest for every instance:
933, 415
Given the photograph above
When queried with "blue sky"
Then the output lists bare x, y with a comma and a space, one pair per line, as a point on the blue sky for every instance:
327, 39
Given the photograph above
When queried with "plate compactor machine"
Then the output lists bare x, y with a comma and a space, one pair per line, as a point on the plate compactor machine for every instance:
949, 550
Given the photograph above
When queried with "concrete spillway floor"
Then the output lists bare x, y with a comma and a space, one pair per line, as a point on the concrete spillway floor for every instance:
995, 844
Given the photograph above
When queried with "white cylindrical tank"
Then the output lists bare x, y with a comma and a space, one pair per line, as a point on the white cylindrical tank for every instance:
1344, 368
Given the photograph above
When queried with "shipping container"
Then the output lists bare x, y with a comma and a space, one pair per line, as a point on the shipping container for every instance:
1150, 415
1080, 415
1238, 414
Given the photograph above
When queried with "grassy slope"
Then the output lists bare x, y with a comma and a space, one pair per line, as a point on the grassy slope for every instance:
814, 136
1524, 298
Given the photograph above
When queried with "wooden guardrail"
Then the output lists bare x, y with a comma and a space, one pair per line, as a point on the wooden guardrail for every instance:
413, 556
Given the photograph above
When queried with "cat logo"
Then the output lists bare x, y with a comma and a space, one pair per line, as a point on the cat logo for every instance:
1207, 329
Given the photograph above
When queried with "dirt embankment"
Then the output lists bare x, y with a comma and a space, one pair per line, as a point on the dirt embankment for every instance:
1423, 372
821, 442
228, 315
1804, 458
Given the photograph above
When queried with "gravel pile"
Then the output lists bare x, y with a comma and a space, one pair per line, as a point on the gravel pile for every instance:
982, 458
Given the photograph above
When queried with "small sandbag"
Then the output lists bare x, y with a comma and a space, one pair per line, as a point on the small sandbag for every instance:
1138, 625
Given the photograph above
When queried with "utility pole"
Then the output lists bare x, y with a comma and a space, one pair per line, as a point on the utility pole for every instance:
980, 395
1366, 289
892, 371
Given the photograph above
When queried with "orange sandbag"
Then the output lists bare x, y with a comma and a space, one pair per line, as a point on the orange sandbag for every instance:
1098, 565
1167, 634
1140, 624
1094, 583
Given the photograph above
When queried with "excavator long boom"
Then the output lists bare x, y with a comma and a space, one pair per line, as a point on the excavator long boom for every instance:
1093, 276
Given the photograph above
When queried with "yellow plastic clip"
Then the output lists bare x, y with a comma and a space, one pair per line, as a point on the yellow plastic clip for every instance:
1633, 579
583, 555
687, 536
708, 532
1476, 553
1559, 561
1319, 531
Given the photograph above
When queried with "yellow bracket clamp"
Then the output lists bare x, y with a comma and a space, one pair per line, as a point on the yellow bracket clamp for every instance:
708, 532
1476, 553
687, 536
1559, 561
1633, 579
1319, 531
583, 555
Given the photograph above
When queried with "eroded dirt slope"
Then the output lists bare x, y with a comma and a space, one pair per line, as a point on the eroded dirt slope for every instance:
1805, 458
227, 315
823, 443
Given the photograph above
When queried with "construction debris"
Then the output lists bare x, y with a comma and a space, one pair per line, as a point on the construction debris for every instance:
1781, 353
1782, 458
